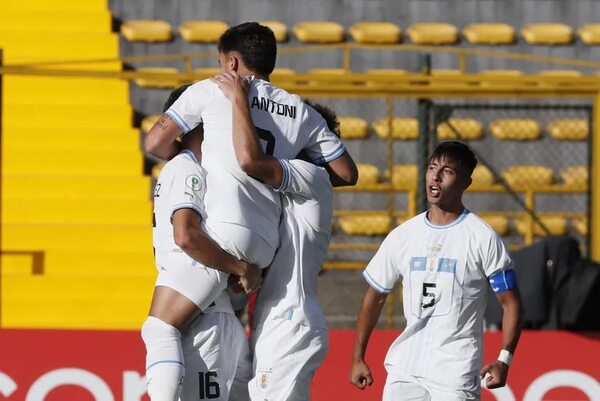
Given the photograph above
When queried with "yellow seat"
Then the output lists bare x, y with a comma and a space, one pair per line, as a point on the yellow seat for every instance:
402, 128
353, 127
319, 32
202, 31
76, 21
147, 31
468, 128
569, 129
516, 129
368, 174
575, 176
445, 73
167, 78
279, 29
498, 222
383, 76
149, 121
556, 225
433, 33
482, 176
63, 5
489, 34
547, 34
503, 73
580, 224
367, 224
590, 34
528, 177
325, 72
560, 73
375, 32
405, 176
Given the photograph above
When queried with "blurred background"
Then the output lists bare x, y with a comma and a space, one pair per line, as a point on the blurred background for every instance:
82, 81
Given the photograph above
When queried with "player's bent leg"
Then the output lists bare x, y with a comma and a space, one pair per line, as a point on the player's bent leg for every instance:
164, 360
404, 389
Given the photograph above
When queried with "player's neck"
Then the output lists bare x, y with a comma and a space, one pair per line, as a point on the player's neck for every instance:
441, 216
244, 72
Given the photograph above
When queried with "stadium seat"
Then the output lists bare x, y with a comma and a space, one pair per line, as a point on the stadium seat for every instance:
402, 128
202, 31
528, 177
149, 121
319, 32
379, 74
569, 129
375, 32
482, 176
433, 33
497, 221
560, 73
590, 34
547, 34
504, 73
489, 34
405, 176
278, 28
367, 224
468, 129
556, 225
580, 224
516, 129
575, 176
63, 5
445, 73
368, 174
282, 74
168, 80
75, 21
147, 31
353, 128
325, 72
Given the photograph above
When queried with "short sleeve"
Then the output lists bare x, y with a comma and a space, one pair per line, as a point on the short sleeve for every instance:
495, 257
187, 110
324, 146
383, 271
303, 179
187, 191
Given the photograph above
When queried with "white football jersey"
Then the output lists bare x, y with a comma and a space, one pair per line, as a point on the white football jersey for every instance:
285, 126
444, 271
180, 184
289, 289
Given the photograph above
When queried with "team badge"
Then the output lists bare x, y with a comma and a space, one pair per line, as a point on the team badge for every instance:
194, 182
263, 379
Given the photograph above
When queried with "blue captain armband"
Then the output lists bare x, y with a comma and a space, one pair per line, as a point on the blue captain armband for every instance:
503, 281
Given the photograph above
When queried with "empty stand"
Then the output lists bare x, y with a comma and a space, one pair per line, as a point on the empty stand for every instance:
279, 30
528, 177
556, 225
489, 34
166, 78
516, 129
468, 128
590, 34
405, 176
353, 128
147, 31
366, 224
575, 176
319, 32
580, 225
547, 34
368, 174
482, 177
202, 31
402, 128
568, 129
433, 33
375, 32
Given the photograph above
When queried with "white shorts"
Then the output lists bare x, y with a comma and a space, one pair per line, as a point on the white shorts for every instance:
400, 387
212, 346
200, 284
286, 356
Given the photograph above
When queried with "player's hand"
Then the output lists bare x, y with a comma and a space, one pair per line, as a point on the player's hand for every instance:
233, 282
252, 279
497, 373
232, 85
360, 375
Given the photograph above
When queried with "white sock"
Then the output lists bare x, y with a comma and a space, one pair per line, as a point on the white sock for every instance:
164, 360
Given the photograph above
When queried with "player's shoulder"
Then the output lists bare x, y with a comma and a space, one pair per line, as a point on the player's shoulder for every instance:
203, 87
478, 227
276, 93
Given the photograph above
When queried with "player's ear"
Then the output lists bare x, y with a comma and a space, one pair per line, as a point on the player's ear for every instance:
234, 63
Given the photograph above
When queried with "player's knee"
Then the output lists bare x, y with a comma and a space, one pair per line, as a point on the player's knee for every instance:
155, 329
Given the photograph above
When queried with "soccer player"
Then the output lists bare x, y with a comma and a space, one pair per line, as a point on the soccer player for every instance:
290, 337
187, 282
448, 259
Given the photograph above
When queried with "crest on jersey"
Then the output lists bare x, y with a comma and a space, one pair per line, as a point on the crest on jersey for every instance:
263, 379
194, 182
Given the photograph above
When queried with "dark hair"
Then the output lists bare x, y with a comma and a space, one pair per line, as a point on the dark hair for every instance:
456, 151
174, 95
254, 42
328, 114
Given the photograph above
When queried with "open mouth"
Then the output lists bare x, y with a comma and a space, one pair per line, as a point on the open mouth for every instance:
433, 191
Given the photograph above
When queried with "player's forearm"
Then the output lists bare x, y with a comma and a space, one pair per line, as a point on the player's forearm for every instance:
342, 171
368, 316
512, 320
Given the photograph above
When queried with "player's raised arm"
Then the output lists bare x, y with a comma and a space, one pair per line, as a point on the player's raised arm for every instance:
160, 141
248, 151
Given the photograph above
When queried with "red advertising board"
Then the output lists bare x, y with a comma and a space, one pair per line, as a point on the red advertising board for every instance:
59, 365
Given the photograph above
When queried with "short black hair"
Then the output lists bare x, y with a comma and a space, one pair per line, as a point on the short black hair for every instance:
328, 114
174, 95
254, 42
456, 151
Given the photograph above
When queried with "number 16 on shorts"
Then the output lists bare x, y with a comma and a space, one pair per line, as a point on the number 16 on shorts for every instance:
208, 387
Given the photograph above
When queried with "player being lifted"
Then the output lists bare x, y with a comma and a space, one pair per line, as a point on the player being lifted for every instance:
448, 259
242, 213
290, 337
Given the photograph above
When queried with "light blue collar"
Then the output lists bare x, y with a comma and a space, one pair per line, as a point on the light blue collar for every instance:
190, 154
458, 220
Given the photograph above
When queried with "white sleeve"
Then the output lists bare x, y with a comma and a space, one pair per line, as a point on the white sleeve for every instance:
323, 145
495, 256
187, 110
187, 191
383, 270
302, 178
